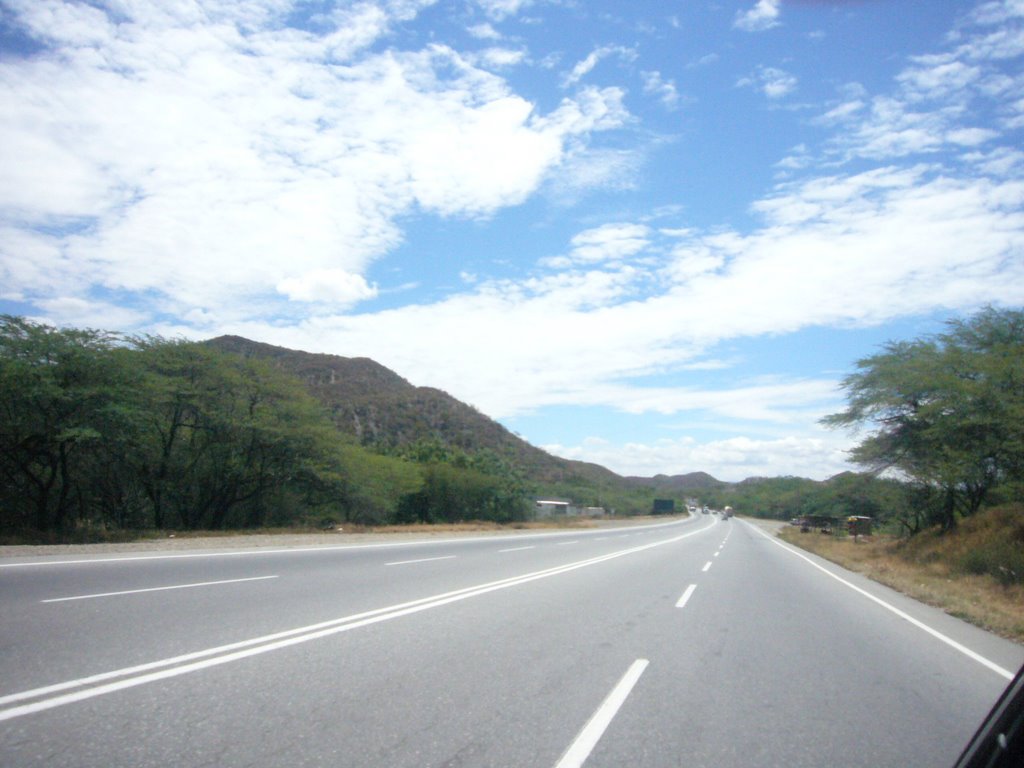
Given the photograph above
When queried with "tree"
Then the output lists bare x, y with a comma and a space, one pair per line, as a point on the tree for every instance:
227, 438
60, 396
947, 411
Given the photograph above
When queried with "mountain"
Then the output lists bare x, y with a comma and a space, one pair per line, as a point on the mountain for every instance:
385, 412
678, 483
381, 409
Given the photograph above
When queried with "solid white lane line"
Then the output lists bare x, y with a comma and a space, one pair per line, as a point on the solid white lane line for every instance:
587, 739
518, 549
686, 596
197, 660
707, 566
902, 614
422, 560
155, 589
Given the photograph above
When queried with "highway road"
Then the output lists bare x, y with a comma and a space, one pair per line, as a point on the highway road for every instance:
700, 642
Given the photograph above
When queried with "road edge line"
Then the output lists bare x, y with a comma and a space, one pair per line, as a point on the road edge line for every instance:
973, 655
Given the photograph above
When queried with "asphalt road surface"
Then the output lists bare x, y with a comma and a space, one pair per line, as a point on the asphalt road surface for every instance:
697, 643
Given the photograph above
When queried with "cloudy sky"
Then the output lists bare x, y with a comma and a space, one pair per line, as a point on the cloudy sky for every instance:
652, 234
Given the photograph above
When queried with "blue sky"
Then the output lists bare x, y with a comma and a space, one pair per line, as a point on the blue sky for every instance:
653, 235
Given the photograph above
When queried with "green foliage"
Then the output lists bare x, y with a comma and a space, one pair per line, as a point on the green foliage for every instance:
783, 498
100, 432
373, 486
226, 441
458, 485
947, 412
61, 399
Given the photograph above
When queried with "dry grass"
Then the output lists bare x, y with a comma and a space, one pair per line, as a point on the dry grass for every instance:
935, 569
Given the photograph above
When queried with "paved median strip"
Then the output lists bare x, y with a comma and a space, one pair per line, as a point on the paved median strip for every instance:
81, 689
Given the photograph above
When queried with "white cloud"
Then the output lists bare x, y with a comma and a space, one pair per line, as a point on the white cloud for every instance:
585, 66
937, 96
484, 32
334, 286
764, 15
817, 456
1001, 162
938, 76
83, 313
703, 61
771, 81
842, 112
501, 9
997, 12
584, 169
970, 137
846, 250
181, 143
665, 90
609, 242
498, 58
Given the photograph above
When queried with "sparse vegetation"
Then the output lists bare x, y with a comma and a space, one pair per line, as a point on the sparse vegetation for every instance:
974, 573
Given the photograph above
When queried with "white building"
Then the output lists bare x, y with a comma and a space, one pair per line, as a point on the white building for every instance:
548, 507
554, 507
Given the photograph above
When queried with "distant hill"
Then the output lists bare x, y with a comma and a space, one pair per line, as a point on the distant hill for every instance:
380, 408
691, 481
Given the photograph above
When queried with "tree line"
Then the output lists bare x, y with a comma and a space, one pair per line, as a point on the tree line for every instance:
103, 431
942, 425
946, 414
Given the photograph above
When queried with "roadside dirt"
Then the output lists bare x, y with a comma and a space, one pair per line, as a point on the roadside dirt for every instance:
335, 538
772, 526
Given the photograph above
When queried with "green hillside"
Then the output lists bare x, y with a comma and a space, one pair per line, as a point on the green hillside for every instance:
384, 412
